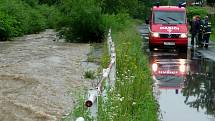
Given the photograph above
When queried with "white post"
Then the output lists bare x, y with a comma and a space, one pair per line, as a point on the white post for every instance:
80, 119
92, 103
91, 98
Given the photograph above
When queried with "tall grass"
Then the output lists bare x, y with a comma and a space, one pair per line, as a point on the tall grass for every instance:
213, 28
212, 38
132, 98
80, 110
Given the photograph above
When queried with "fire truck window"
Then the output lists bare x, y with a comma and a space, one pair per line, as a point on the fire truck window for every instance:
169, 17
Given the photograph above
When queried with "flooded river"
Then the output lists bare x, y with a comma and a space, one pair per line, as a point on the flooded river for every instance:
39, 76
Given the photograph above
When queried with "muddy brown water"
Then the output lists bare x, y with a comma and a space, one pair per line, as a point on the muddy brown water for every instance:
39, 76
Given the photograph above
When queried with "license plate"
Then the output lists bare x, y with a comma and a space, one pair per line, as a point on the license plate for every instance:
169, 43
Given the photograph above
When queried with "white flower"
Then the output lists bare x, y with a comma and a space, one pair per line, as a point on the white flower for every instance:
134, 103
118, 95
121, 99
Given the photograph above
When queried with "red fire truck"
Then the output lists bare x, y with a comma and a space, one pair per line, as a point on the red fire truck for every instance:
168, 27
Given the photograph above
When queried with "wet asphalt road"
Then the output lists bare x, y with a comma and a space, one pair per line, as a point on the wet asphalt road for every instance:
184, 83
39, 77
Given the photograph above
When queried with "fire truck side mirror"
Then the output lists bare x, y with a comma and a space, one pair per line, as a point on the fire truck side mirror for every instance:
157, 4
181, 4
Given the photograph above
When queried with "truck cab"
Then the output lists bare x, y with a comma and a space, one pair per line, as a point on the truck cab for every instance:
168, 27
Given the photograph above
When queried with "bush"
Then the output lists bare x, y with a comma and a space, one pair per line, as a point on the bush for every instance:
84, 21
32, 3
20, 11
135, 8
8, 27
193, 11
19, 17
49, 2
116, 22
37, 22
52, 15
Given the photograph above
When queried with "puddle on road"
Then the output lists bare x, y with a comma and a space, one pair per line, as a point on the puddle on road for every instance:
184, 85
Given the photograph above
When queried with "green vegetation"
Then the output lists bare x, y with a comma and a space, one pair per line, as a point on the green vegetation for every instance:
213, 28
196, 10
80, 109
132, 98
77, 20
88, 21
84, 21
90, 74
19, 17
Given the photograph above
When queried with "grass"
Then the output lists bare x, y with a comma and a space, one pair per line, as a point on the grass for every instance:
90, 74
213, 30
132, 98
213, 35
90, 56
79, 111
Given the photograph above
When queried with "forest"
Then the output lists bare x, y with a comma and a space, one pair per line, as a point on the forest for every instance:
78, 20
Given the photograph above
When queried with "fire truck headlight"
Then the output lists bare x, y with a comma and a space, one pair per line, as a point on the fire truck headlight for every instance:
154, 67
183, 35
182, 68
155, 34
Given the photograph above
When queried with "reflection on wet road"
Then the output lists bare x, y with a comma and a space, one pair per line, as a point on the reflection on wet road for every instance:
184, 87
184, 84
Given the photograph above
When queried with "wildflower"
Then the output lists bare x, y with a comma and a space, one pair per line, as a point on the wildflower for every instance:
134, 103
121, 99
132, 76
118, 95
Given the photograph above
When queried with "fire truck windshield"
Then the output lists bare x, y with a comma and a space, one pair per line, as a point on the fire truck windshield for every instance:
169, 17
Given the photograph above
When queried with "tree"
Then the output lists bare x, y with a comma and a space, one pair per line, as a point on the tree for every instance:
84, 21
211, 2
200, 88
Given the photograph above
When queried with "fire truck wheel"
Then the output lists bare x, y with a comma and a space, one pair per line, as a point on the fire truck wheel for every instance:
151, 48
182, 49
